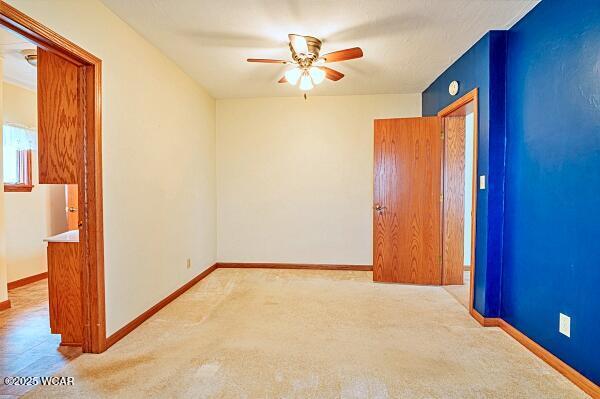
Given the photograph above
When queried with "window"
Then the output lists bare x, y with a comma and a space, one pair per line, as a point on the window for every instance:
17, 147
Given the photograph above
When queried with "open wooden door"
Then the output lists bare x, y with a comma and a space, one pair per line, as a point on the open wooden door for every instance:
407, 201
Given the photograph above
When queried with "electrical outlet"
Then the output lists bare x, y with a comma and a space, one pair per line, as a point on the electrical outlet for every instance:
564, 324
189, 263
482, 182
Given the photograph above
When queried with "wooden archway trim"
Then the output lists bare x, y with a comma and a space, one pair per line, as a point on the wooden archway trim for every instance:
90, 193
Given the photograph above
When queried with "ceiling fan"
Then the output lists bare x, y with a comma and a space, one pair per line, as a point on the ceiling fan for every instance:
309, 68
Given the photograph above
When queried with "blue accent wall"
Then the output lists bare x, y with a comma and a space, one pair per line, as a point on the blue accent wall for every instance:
552, 212
538, 224
482, 67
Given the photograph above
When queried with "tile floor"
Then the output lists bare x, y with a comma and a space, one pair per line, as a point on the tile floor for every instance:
26, 346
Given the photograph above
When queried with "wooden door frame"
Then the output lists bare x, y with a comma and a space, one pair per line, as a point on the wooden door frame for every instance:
91, 231
471, 96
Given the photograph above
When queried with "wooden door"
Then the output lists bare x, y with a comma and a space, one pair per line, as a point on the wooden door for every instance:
72, 209
454, 200
60, 122
407, 206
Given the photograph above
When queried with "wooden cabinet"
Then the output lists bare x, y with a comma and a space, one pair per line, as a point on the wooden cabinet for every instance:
64, 292
60, 128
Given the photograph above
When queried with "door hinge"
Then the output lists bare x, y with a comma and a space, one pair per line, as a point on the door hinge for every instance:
442, 134
441, 197
440, 258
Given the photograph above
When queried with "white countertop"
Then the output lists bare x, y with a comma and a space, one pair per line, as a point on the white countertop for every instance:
68, 236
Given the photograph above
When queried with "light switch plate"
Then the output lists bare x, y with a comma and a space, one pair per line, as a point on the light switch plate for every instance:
482, 182
564, 324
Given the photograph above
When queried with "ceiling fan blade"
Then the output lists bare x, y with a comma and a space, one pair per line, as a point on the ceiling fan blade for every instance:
282, 80
332, 74
343, 55
267, 61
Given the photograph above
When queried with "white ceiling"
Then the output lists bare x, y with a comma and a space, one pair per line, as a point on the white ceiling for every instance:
16, 69
407, 43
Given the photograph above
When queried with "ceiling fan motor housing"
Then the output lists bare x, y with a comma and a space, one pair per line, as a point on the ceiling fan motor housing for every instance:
314, 47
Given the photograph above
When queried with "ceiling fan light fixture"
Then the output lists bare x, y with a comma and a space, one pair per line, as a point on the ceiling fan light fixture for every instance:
317, 75
31, 60
293, 75
30, 56
309, 68
306, 82
299, 44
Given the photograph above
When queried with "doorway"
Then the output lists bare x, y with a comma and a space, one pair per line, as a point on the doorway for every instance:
69, 129
459, 123
424, 198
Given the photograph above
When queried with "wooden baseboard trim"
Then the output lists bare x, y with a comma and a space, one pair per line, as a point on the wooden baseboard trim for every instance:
485, 321
132, 325
573, 375
5, 305
570, 373
75, 344
303, 266
27, 280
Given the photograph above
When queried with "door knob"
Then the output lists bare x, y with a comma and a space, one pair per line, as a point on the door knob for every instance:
380, 208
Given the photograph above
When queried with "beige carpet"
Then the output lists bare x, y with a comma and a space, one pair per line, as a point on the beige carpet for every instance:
312, 334
461, 292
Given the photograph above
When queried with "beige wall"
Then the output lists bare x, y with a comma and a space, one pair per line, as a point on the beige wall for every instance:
3, 276
20, 104
28, 216
294, 177
158, 159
